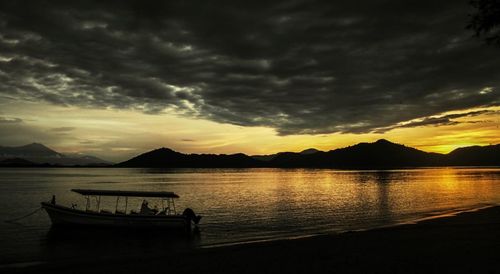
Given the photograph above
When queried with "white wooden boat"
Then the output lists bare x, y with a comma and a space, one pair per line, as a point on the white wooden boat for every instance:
167, 217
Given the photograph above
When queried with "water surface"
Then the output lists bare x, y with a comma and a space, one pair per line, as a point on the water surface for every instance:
238, 205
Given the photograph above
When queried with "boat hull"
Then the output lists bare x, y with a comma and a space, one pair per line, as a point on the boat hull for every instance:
61, 215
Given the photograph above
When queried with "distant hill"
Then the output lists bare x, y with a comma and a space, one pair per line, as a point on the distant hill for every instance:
309, 151
165, 157
264, 158
38, 154
16, 162
267, 158
380, 154
475, 155
29, 151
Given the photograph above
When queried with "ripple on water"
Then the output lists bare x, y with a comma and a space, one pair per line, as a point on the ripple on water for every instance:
238, 205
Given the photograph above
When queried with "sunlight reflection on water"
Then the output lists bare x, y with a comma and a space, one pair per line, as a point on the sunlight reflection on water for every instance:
246, 204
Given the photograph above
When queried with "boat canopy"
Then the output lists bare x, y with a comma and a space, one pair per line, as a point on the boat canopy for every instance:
96, 192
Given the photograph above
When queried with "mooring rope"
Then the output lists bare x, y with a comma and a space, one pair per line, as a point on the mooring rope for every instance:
22, 217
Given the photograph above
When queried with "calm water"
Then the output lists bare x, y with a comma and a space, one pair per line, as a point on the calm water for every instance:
238, 205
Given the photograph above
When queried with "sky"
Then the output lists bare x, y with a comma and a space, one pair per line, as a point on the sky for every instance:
118, 78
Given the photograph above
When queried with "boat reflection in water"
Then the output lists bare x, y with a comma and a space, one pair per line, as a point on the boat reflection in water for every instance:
98, 243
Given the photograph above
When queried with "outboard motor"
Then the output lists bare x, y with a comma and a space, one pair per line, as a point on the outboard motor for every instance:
189, 213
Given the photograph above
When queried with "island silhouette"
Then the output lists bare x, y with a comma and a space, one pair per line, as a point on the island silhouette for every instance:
377, 155
39, 155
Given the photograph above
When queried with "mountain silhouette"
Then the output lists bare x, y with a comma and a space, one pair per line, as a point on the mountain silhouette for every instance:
38, 154
16, 162
380, 154
165, 157
31, 150
309, 151
267, 158
475, 155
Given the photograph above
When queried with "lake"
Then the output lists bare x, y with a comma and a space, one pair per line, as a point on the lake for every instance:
238, 205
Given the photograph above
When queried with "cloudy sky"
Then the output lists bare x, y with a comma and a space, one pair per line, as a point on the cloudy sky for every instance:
117, 78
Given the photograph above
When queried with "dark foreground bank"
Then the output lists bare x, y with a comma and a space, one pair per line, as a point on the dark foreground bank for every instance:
466, 243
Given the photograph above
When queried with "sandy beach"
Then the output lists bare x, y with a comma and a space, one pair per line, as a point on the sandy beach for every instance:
466, 243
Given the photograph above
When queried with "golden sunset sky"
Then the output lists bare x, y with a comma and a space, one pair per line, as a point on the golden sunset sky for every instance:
120, 134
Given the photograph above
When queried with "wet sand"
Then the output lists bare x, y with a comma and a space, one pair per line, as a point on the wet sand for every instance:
466, 243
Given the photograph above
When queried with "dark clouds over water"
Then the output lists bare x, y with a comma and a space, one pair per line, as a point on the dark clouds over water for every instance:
297, 66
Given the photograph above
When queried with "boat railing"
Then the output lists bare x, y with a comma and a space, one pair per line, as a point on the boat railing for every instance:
167, 207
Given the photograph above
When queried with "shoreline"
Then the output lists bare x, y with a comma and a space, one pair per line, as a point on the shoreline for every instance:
466, 242
441, 214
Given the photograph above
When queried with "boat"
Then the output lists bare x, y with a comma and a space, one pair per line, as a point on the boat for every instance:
93, 215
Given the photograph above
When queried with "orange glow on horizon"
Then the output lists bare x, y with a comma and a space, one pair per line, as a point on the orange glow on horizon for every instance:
120, 134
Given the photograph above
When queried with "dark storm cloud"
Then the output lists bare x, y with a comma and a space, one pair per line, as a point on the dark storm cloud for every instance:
301, 67
443, 120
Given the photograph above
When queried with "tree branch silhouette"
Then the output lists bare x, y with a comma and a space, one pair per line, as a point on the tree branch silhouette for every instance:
485, 22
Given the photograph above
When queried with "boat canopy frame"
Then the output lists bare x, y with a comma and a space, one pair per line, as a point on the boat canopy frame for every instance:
126, 193
169, 197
